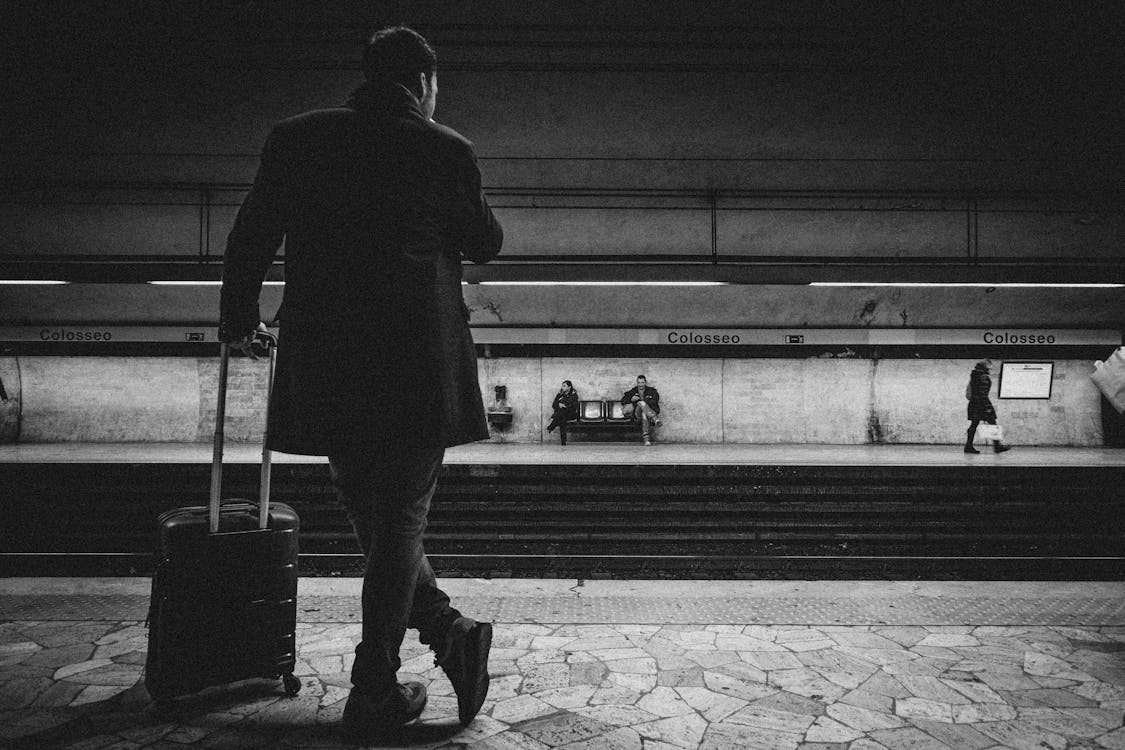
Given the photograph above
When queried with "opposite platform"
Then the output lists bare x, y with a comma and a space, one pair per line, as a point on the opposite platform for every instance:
583, 454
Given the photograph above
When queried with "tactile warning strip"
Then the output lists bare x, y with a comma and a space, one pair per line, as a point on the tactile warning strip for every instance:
1064, 611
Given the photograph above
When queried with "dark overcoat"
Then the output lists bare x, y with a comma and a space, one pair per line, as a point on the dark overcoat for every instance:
980, 407
377, 205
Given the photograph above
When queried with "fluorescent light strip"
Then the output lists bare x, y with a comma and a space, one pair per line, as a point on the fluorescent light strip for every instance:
207, 283
32, 282
600, 283
965, 284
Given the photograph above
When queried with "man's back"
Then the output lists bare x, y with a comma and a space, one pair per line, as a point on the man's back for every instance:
377, 205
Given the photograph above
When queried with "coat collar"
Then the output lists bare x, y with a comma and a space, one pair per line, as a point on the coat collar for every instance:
384, 100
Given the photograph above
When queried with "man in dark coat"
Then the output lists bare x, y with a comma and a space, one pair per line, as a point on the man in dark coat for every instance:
377, 205
642, 403
980, 407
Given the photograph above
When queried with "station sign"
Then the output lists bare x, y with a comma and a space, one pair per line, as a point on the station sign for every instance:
676, 337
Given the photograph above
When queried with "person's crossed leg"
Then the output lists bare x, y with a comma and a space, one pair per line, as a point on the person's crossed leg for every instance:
387, 497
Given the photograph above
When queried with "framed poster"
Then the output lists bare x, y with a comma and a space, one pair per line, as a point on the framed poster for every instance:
1026, 379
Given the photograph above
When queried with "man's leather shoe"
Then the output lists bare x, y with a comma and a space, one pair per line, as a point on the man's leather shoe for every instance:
1002, 448
367, 718
971, 449
465, 662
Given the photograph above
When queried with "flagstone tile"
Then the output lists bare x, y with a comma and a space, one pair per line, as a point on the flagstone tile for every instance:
867, 699
55, 634
981, 712
642, 683
1054, 720
542, 656
724, 736
863, 719
806, 682
1101, 717
75, 668
614, 695
500, 688
903, 635
907, 738
568, 697
58, 695
777, 720
866, 743
1055, 698
1114, 740
97, 694
617, 654
834, 660
618, 716
863, 639
1021, 735
727, 685
698, 636
848, 680
520, 708
974, 691
884, 684
956, 736
797, 704
923, 708
483, 727
587, 673
741, 642
510, 740
919, 666
809, 645
681, 677
643, 631
742, 671
724, 628
1100, 691
22, 648
711, 659
664, 701
1052, 682
1043, 665
932, 688
551, 642
711, 705
543, 676
765, 632
682, 731
767, 660
604, 643
949, 640
879, 656
623, 738
958, 629
937, 652
826, 729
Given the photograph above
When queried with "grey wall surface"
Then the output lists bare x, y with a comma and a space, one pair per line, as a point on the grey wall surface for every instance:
706, 400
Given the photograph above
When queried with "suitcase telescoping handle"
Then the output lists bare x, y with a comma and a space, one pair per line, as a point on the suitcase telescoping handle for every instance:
217, 453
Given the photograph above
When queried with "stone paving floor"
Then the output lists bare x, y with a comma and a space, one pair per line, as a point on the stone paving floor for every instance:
74, 683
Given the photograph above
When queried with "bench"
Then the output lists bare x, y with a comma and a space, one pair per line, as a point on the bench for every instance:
599, 416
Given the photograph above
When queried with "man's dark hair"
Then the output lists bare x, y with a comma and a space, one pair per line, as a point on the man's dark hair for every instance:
642, 377
397, 55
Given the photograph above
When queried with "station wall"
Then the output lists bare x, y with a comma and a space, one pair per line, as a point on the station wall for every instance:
710, 400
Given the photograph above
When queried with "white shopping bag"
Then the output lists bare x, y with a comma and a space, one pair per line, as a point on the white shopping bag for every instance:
1109, 376
989, 432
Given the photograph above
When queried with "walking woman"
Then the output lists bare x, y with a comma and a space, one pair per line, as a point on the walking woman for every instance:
980, 408
564, 407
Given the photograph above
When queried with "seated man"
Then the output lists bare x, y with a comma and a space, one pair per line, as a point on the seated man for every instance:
642, 403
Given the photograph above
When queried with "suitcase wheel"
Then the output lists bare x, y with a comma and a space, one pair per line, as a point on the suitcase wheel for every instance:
291, 683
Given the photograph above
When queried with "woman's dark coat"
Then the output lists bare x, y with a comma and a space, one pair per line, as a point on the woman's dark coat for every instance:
565, 406
377, 206
980, 408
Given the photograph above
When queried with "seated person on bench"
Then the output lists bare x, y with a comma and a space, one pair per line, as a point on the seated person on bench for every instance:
642, 403
565, 406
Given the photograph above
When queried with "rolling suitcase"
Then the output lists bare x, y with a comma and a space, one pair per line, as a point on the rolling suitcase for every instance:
224, 592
